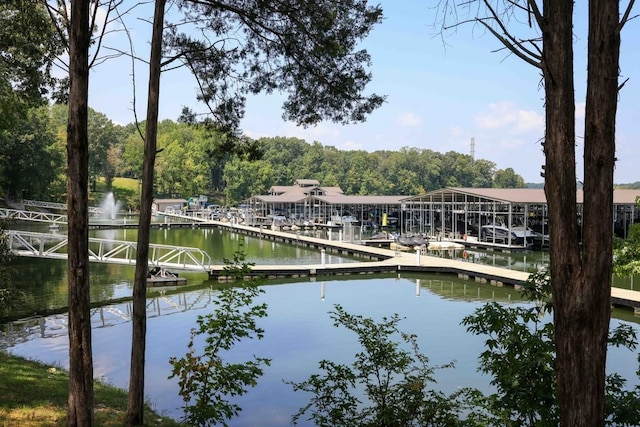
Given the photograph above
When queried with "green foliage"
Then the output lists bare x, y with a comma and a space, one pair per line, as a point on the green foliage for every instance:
245, 178
508, 178
207, 382
29, 44
520, 356
30, 158
197, 159
626, 253
9, 295
106, 141
386, 385
310, 53
103, 135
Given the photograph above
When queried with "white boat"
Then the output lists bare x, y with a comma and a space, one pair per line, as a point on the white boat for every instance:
519, 236
444, 244
344, 220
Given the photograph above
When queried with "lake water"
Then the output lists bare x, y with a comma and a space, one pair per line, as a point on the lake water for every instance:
299, 332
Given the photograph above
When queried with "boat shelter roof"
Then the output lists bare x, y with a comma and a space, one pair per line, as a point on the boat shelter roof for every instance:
333, 199
625, 196
360, 200
510, 195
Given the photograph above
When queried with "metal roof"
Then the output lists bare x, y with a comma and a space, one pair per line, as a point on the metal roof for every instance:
625, 197
513, 195
361, 200
282, 198
334, 199
506, 195
169, 201
459, 195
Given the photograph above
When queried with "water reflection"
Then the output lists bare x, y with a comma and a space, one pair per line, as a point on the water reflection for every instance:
165, 304
299, 331
298, 334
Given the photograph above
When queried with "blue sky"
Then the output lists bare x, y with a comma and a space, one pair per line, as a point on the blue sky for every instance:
441, 93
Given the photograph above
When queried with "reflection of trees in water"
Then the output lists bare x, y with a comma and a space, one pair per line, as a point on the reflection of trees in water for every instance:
102, 277
43, 284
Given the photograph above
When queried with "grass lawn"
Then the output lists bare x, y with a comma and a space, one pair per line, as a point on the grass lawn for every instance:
35, 395
125, 190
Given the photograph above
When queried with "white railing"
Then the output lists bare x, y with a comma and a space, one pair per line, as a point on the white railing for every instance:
58, 206
32, 216
49, 245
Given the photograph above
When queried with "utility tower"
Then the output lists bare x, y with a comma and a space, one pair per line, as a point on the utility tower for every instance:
473, 149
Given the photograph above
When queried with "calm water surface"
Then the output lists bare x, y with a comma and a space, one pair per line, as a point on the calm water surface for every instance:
299, 331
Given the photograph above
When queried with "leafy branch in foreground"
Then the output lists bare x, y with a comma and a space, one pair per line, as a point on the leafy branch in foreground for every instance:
207, 383
626, 253
520, 356
386, 385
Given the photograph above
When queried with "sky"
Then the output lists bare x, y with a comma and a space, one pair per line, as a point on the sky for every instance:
442, 93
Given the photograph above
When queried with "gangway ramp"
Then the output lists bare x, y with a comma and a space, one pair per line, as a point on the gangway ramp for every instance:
33, 216
54, 246
57, 206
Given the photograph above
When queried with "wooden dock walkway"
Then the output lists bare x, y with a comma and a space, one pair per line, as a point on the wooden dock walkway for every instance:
403, 262
383, 260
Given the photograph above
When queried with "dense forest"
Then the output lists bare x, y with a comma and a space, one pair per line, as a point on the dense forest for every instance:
194, 159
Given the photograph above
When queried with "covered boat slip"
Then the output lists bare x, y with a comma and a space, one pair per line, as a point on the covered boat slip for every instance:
498, 217
512, 217
368, 211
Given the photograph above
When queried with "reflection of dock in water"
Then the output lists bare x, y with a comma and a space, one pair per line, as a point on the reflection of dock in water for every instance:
164, 304
376, 260
55, 326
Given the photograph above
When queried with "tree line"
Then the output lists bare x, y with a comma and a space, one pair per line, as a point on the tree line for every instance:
192, 160
312, 55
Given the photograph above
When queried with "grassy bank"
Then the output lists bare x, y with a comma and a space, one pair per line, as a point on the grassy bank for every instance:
35, 395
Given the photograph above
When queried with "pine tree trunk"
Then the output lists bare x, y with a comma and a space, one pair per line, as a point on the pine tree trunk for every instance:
581, 280
135, 404
80, 404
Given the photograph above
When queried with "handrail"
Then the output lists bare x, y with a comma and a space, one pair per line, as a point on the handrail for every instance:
54, 246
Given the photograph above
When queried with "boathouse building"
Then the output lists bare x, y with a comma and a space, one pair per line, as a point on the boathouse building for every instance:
448, 212
307, 200
458, 212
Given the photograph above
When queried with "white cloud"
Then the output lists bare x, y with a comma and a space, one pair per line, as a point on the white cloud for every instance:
409, 120
505, 115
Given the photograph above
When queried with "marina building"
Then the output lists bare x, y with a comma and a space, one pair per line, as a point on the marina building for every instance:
504, 216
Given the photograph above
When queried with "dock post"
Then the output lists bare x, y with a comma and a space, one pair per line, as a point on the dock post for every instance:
323, 253
418, 256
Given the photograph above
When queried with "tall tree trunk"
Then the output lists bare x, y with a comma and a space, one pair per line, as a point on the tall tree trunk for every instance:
135, 404
80, 405
580, 280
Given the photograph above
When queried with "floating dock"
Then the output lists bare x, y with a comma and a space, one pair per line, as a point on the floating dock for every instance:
376, 260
